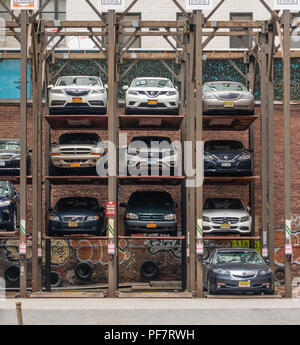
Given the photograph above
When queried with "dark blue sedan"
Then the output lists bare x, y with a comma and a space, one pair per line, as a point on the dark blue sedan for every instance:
76, 215
9, 206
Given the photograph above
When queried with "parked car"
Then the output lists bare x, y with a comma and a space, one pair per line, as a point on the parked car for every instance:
223, 157
156, 152
10, 156
75, 152
226, 215
237, 270
76, 215
9, 206
151, 94
150, 212
78, 94
227, 97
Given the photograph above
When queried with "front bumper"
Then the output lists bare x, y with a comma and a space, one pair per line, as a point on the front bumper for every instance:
90, 100
236, 168
140, 102
222, 283
215, 228
210, 105
10, 165
86, 227
66, 161
140, 226
166, 166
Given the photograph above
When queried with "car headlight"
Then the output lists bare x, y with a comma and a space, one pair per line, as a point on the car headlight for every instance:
135, 93
246, 156
132, 216
247, 96
5, 203
205, 219
209, 96
208, 158
171, 93
265, 272
54, 218
6, 211
220, 271
98, 92
57, 92
170, 216
245, 219
92, 218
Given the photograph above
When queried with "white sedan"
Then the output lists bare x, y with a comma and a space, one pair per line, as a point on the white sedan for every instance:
78, 94
151, 94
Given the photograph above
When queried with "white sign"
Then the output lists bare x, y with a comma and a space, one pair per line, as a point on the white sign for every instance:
106, 5
288, 249
199, 248
199, 5
24, 4
264, 252
292, 5
111, 248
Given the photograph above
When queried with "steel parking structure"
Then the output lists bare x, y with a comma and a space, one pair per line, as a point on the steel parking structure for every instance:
190, 38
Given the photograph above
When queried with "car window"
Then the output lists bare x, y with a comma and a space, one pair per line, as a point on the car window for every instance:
238, 257
149, 140
214, 87
77, 138
145, 199
9, 145
78, 81
226, 204
4, 189
224, 146
152, 83
77, 203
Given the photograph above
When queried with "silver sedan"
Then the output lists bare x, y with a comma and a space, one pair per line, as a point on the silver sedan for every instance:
227, 97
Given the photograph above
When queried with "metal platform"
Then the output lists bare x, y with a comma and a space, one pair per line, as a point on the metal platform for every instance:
230, 237
63, 180
155, 294
156, 180
234, 180
136, 237
67, 294
14, 179
228, 123
153, 122
61, 122
76, 237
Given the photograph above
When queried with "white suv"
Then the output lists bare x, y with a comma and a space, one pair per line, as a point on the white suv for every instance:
226, 215
151, 94
78, 94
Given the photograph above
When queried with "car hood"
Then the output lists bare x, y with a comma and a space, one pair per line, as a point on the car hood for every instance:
138, 88
77, 146
241, 267
151, 209
225, 213
77, 212
226, 155
10, 152
75, 87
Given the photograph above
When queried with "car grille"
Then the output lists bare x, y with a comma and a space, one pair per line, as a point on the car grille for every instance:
6, 157
225, 220
158, 105
72, 219
229, 95
77, 93
151, 154
151, 217
239, 274
75, 151
69, 161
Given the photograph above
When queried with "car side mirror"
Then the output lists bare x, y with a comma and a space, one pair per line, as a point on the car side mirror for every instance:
106, 86
267, 261
248, 209
122, 204
50, 86
250, 150
125, 88
16, 193
250, 90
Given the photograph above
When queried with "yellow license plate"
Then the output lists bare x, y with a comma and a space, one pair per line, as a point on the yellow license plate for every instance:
228, 104
152, 102
77, 100
225, 226
245, 284
151, 226
75, 165
72, 224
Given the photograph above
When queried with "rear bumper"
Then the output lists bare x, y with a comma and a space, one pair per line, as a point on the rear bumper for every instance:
210, 105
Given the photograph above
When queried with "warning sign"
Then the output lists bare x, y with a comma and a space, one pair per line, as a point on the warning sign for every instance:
24, 4
106, 5
111, 208
292, 5
199, 5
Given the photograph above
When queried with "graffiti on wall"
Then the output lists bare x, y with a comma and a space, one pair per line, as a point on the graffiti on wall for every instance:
173, 247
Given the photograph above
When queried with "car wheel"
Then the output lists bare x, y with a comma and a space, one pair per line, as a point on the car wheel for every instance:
14, 224
251, 112
269, 292
210, 291
83, 271
280, 275
149, 269
55, 279
126, 232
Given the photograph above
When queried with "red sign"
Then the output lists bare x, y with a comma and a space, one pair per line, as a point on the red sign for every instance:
111, 208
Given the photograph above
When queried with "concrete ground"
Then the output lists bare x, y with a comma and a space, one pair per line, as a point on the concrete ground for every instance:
69, 311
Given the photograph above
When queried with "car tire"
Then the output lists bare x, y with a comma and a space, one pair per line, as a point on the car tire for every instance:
55, 279
14, 225
127, 111
149, 269
269, 292
210, 291
12, 274
280, 275
83, 271
251, 112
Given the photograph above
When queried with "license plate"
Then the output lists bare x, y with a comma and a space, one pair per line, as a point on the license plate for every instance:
244, 284
75, 165
77, 100
226, 165
152, 102
2, 164
225, 226
72, 224
228, 104
151, 226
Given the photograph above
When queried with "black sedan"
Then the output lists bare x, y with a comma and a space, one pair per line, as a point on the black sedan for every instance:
237, 270
227, 157
9, 206
76, 215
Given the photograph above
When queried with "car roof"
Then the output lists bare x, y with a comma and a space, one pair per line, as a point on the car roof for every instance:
77, 198
224, 81
235, 250
223, 141
18, 140
222, 198
150, 136
153, 78
78, 76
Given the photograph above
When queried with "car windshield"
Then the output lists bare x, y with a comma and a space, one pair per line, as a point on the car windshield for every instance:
78, 138
215, 87
78, 81
164, 141
4, 189
224, 146
9, 145
152, 83
87, 203
138, 199
243, 257
220, 204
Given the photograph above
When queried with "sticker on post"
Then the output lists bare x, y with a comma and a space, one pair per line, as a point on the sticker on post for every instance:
199, 248
107, 5
292, 5
288, 231
111, 208
111, 248
24, 4
288, 249
23, 226
199, 228
199, 5
264, 252
187, 252
111, 228
22, 248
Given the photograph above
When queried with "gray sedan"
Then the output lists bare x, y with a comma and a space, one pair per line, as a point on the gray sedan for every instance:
227, 97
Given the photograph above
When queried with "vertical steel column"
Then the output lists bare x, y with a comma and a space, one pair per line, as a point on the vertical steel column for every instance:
112, 154
199, 153
23, 163
287, 146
